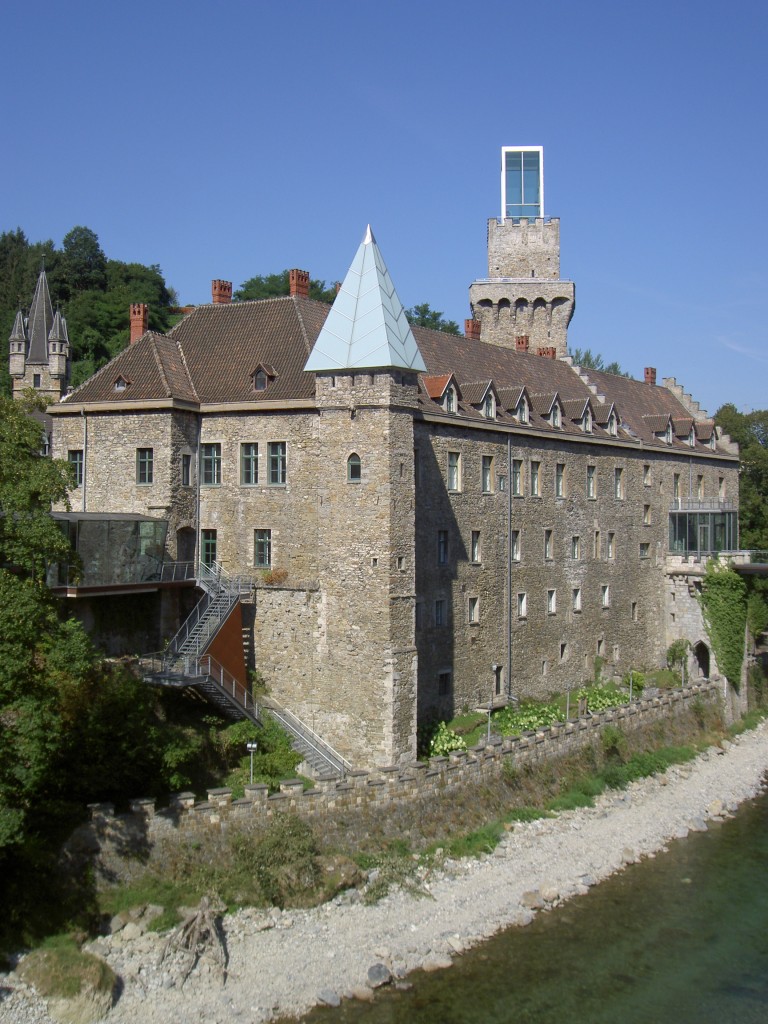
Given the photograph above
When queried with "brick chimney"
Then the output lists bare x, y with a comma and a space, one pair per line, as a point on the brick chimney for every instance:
522, 343
221, 292
139, 320
650, 375
548, 351
299, 283
472, 329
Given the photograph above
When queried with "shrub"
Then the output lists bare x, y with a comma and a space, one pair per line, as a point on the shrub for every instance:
444, 741
528, 715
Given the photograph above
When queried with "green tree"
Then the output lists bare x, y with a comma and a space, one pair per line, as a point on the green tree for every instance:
270, 286
423, 315
84, 264
750, 431
594, 361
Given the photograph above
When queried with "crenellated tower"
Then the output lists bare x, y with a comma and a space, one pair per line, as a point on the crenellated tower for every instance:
523, 295
39, 348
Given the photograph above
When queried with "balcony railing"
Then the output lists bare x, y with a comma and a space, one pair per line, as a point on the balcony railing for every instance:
702, 505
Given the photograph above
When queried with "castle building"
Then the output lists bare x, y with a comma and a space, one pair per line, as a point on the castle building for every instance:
39, 348
427, 522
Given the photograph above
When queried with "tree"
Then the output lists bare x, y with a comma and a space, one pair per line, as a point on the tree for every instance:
270, 286
750, 431
594, 361
423, 315
85, 264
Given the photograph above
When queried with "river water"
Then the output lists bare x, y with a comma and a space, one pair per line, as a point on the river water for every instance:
679, 938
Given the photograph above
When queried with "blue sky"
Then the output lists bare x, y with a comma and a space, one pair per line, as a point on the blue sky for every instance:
223, 140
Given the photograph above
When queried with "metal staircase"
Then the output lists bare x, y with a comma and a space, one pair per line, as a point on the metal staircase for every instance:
183, 664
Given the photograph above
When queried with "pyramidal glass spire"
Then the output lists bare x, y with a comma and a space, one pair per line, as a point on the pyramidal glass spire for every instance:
366, 326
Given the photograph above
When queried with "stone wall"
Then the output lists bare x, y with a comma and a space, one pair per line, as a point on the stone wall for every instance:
385, 792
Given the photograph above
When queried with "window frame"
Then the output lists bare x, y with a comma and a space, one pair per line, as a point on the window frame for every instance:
618, 483
486, 474
591, 482
535, 478
145, 467
186, 469
473, 610
453, 472
576, 599
209, 541
249, 463
354, 469
474, 547
560, 480
442, 547
515, 545
277, 463
552, 601
262, 548
517, 478
76, 459
522, 604
210, 464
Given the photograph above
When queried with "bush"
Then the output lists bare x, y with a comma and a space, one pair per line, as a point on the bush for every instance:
444, 741
528, 715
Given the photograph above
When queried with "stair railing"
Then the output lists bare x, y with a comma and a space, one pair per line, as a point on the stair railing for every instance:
316, 743
220, 594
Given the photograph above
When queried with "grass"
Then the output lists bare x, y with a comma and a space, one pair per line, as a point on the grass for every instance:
59, 969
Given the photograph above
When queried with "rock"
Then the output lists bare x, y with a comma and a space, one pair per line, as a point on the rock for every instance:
117, 923
532, 900
383, 953
378, 975
436, 962
329, 997
455, 944
697, 824
363, 993
131, 931
550, 893
628, 855
715, 809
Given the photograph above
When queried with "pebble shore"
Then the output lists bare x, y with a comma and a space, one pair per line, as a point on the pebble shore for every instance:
283, 962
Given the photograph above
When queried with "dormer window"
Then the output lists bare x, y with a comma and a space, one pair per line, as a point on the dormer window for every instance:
121, 383
489, 406
712, 441
521, 412
260, 381
556, 416
586, 421
668, 434
450, 399
691, 439
612, 425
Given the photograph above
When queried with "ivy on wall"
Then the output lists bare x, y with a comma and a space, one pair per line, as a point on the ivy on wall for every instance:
724, 604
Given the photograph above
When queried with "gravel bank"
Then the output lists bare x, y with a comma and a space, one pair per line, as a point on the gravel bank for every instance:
284, 962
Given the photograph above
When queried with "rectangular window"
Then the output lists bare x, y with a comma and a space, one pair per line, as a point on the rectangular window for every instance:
605, 596
597, 544
563, 651
444, 684
276, 458
487, 480
560, 480
442, 547
75, 459
475, 546
186, 469
502, 482
535, 479
144, 465
551, 602
576, 599
646, 515
548, 545
721, 487
522, 182
262, 549
454, 471
249, 463
618, 482
514, 545
645, 550
440, 619
591, 481
575, 547
401, 563
210, 464
676, 485
208, 547
647, 476
473, 609
517, 477
522, 605
611, 552
634, 611
699, 487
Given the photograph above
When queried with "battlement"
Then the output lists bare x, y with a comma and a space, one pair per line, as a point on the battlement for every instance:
524, 248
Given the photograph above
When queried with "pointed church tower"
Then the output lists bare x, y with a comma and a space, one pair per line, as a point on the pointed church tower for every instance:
366, 363
523, 296
39, 348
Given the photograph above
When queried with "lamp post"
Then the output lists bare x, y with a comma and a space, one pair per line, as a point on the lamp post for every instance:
252, 747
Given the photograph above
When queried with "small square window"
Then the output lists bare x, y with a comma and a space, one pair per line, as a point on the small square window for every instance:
262, 549
645, 550
473, 609
522, 605
400, 563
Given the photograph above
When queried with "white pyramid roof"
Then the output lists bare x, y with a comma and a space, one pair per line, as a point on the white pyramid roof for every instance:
366, 326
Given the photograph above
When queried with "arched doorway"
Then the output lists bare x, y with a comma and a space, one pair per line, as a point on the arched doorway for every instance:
701, 659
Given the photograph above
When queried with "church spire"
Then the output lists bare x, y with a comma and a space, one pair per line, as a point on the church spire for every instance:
40, 322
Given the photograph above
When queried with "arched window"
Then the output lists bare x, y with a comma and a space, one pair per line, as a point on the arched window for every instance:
612, 425
450, 399
522, 411
489, 406
556, 415
354, 469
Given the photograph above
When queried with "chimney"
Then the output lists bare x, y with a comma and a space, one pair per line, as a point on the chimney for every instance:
472, 329
299, 283
650, 375
521, 343
221, 292
139, 320
548, 351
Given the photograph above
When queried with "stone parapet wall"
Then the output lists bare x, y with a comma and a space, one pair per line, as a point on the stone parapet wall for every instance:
384, 790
